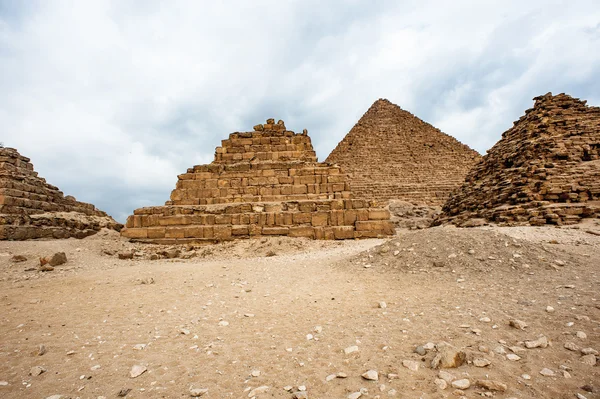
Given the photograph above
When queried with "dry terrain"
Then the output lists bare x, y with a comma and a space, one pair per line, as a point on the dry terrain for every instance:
279, 313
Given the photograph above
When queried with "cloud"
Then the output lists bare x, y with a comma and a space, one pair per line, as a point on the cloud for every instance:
113, 99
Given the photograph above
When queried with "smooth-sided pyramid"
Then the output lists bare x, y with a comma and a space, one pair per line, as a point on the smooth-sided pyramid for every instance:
31, 208
391, 154
264, 182
544, 170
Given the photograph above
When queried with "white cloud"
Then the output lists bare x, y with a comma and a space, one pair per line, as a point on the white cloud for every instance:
113, 99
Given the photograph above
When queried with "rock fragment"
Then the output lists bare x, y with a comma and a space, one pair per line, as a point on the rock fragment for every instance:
518, 324
448, 357
541, 342
197, 392
371, 375
546, 372
351, 349
411, 365
492, 385
137, 370
461, 384
590, 360
259, 390
36, 370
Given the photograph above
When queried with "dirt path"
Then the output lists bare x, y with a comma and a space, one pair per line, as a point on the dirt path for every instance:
210, 323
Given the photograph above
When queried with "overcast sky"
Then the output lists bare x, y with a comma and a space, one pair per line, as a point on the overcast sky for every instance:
112, 99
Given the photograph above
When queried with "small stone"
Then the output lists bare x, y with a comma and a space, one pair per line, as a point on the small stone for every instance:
420, 350
288, 388
41, 350
566, 374
18, 258
137, 370
248, 314
96, 367
382, 305
518, 324
124, 392
581, 335
590, 360
441, 384
580, 396
547, 372
55, 397
3, 383
197, 392
36, 370
309, 337
300, 395
446, 376
330, 377
371, 375
57, 259
549, 309
302, 388
461, 384
256, 391
485, 320
184, 331
512, 357
351, 349
223, 323
429, 346
355, 395
318, 329
342, 375
139, 347
571, 346
255, 373
541, 342
589, 351
125, 255
491, 385
499, 350
481, 362
525, 376
411, 365
448, 357
46, 268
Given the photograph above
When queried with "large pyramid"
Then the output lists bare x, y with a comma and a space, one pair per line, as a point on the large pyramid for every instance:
31, 208
264, 182
391, 154
544, 170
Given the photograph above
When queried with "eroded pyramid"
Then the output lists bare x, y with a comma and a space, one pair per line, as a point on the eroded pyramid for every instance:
391, 154
31, 208
544, 170
264, 182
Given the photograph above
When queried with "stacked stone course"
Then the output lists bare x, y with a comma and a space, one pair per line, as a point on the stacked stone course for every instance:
31, 208
391, 154
265, 182
544, 170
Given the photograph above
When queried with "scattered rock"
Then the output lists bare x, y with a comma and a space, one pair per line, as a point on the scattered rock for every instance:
541, 342
581, 335
382, 305
124, 392
546, 372
589, 351
549, 309
126, 255
420, 350
259, 390
491, 385
355, 395
590, 360
461, 384
197, 392
18, 258
46, 268
41, 350
411, 365
137, 370
481, 362
518, 324
58, 259
3, 383
441, 384
300, 395
371, 375
448, 357
446, 376
36, 370
351, 349
513, 357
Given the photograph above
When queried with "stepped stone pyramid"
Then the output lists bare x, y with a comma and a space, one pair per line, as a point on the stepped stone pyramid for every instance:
31, 208
264, 182
391, 154
544, 170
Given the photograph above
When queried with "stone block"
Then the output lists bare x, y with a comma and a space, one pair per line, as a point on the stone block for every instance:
278, 231
302, 231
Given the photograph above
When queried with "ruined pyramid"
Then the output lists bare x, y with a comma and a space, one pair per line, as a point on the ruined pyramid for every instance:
31, 208
264, 182
391, 154
544, 170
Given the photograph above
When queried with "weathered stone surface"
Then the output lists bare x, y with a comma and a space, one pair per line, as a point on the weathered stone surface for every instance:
265, 182
391, 154
30, 208
544, 170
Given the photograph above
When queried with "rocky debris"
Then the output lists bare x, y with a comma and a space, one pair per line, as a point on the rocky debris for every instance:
124, 392
371, 375
18, 258
46, 268
411, 365
406, 215
546, 372
544, 170
441, 384
589, 351
491, 385
354, 395
41, 350
424, 169
461, 384
170, 253
126, 255
590, 360
259, 390
581, 335
541, 342
197, 392
300, 395
448, 357
513, 357
57, 259
518, 324
481, 362
37, 370
137, 370
351, 349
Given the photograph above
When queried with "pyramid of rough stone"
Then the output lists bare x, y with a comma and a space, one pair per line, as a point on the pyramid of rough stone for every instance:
31, 208
264, 182
544, 170
391, 154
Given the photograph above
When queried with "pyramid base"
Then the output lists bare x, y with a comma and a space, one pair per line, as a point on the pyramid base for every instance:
319, 219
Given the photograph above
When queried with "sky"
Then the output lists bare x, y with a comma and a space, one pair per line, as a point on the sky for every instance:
112, 99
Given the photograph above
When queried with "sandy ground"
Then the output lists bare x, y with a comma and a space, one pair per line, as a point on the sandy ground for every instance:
231, 319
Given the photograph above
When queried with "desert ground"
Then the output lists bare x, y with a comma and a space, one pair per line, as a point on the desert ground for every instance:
294, 318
